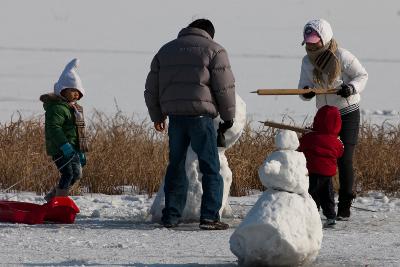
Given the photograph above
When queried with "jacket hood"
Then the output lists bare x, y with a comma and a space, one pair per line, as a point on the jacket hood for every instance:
322, 27
194, 31
69, 79
328, 120
50, 97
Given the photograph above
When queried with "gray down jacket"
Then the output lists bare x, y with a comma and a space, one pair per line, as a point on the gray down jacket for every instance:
190, 75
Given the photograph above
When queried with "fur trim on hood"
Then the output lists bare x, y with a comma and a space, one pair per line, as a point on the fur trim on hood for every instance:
50, 97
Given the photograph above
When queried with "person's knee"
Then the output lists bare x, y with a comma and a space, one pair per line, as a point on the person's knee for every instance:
177, 159
209, 164
77, 173
209, 169
346, 160
176, 170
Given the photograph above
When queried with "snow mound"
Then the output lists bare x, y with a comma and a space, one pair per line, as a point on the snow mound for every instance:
282, 229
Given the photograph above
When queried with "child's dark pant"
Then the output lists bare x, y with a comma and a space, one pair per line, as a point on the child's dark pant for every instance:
321, 190
70, 169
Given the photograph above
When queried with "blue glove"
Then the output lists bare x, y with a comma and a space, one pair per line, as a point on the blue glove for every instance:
67, 150
82, 158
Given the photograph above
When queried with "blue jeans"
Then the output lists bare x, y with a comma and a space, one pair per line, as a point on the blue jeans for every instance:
199, 132
70, 169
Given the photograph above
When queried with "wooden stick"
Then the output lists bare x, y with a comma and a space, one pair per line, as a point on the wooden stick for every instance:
285, 127
318, 91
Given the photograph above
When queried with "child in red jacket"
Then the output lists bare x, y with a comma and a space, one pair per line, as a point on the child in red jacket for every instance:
322, 148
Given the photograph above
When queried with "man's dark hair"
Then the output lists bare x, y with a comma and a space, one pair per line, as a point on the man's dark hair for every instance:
203, 24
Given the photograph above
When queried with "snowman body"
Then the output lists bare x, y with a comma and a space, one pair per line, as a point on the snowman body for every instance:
283, 228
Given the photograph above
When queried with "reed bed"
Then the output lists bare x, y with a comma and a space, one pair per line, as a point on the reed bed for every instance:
127, 152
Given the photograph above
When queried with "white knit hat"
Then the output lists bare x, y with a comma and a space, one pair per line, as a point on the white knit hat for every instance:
69, 79
322, 27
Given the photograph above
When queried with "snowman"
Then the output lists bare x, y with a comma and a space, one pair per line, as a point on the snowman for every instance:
191, 211
284, 227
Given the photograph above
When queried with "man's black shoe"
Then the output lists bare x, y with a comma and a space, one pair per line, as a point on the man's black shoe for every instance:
213, 225
170, 225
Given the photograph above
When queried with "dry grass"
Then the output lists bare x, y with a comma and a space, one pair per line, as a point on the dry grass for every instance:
126, 151
246, 156
377, 161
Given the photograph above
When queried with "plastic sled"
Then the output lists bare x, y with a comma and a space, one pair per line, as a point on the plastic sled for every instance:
58, 210
21, 212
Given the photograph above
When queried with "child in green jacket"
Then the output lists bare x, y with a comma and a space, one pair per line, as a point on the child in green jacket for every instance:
65, 129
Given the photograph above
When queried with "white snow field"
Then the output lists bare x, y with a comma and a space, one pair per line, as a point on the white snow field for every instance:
116, 40
116, 231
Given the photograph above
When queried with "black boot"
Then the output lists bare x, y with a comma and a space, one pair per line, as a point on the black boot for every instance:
345, 201
213, 225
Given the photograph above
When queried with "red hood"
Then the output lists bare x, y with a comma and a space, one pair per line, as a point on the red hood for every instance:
327, 120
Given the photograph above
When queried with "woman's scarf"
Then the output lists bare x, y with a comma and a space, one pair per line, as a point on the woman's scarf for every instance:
80, 126
326, 62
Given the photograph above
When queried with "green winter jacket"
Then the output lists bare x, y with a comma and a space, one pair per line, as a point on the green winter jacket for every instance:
60, 125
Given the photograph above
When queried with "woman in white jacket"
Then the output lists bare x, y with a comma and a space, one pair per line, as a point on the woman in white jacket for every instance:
328, 66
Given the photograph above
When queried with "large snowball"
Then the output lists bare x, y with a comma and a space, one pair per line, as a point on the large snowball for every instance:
282, 229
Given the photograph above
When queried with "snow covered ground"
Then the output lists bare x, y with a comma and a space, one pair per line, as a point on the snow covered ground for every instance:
115, 231
115, 41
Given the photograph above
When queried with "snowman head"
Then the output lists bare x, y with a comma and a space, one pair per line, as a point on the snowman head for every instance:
286, 140
285, 169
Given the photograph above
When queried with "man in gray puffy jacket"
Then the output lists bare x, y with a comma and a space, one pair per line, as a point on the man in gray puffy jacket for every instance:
191, 82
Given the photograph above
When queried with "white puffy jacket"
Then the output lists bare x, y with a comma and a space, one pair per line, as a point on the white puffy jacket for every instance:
352, 73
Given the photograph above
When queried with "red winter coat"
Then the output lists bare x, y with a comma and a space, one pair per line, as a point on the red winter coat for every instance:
322, 147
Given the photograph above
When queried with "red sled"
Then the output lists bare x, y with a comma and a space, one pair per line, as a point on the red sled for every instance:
58, 210
61, 210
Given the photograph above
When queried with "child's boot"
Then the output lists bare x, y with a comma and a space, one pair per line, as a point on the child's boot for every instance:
330, 223
75, 189
61, 192
50, 194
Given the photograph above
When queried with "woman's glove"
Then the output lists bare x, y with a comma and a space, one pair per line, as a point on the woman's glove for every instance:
346, 90
308, 95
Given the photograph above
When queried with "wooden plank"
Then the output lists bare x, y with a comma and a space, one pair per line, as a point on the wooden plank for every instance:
285, 127
317, 91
